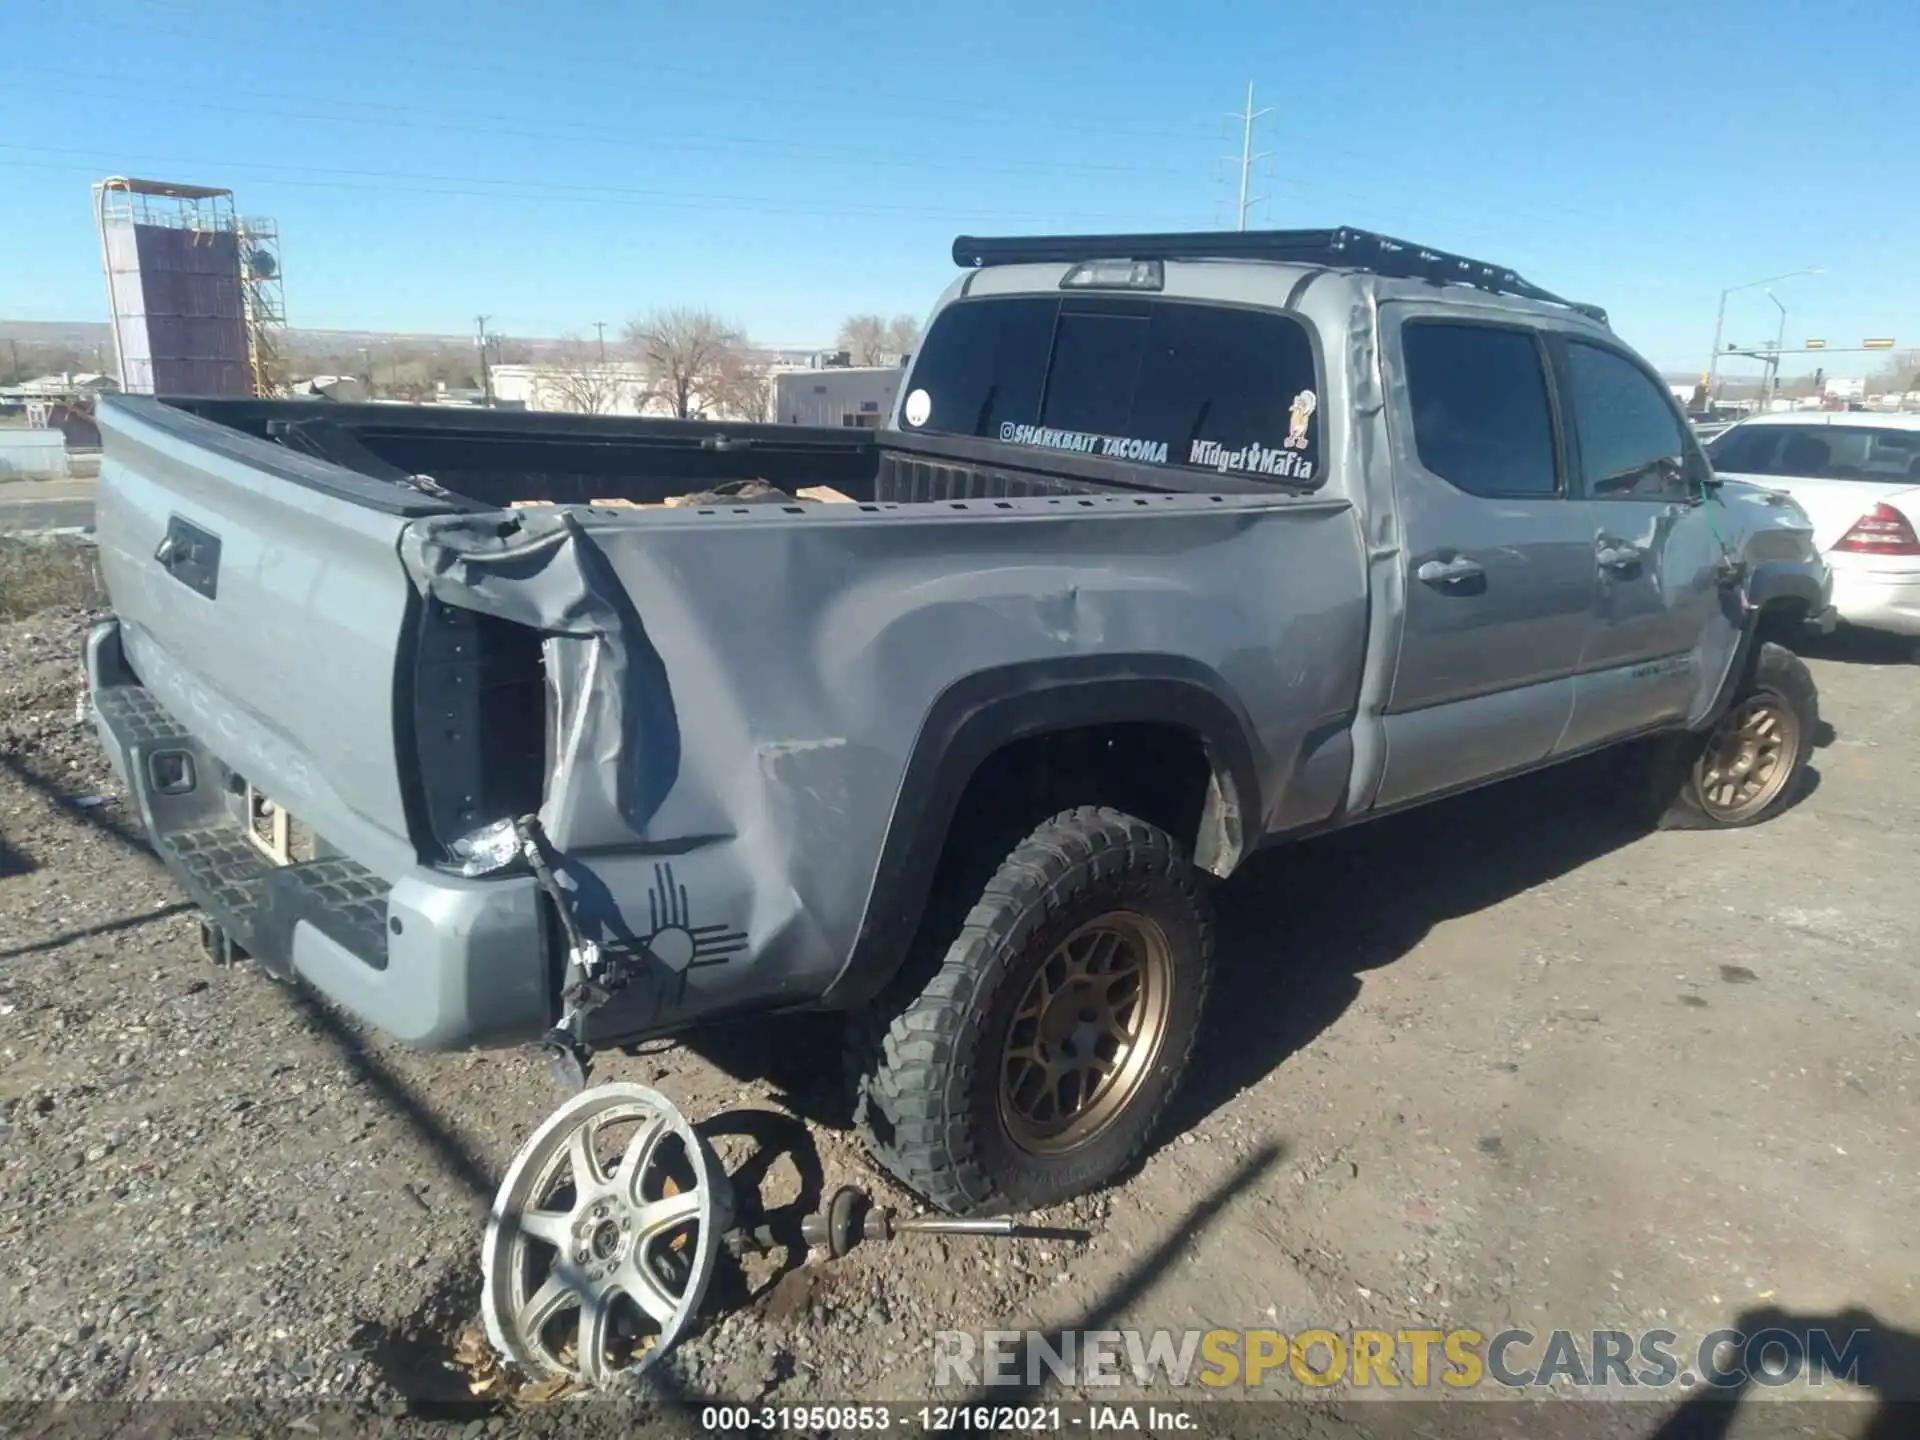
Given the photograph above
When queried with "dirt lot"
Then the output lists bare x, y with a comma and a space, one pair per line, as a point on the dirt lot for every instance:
1498, 1063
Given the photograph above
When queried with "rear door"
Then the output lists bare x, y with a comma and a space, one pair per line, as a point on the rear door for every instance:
1498, 568
1664, 629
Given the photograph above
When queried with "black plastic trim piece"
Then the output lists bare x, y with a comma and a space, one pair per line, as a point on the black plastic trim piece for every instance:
994, 708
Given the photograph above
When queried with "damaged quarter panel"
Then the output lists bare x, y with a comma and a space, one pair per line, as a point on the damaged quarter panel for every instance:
739, 700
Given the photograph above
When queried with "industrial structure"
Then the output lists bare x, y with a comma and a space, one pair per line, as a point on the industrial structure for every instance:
194, 292
851, 395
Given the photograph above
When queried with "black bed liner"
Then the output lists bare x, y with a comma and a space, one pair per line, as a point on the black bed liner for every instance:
473, 458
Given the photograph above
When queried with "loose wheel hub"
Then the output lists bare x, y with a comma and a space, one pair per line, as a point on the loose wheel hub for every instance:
602, 1238
1749, 759
1086, 1033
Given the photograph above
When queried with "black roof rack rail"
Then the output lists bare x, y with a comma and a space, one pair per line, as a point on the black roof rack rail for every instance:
1344, 248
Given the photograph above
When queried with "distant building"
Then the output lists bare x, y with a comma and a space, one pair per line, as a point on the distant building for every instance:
36, 454
836, 395
618, 387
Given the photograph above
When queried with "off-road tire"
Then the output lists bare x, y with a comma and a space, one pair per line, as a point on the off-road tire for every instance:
924, 1060
1674, 799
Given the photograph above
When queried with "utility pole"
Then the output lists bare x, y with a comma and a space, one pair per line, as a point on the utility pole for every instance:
600, 329
486, 370
1247, 156
1720, 325
1772, 385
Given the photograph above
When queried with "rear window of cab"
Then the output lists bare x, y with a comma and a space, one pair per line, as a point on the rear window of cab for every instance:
1159, 382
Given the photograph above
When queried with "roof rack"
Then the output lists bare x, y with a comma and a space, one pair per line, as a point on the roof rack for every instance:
1344, 249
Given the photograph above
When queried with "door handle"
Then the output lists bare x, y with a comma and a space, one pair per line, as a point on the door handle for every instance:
1448, 572
1619, 557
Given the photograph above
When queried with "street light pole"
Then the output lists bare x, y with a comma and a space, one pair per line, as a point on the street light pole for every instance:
1720, 324
1773, 365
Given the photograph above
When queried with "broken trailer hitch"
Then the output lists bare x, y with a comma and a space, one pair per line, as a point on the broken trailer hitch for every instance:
592, 977
848, 1217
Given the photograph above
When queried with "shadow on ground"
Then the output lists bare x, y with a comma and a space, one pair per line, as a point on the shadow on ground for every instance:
1790, 1345
1301, 923
1860, 647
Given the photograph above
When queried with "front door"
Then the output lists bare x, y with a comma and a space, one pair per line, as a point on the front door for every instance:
1665, 629
1498, 566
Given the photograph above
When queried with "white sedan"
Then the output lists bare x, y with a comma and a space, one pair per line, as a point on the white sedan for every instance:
1858, 478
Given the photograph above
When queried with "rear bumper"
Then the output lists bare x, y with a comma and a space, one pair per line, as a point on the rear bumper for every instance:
1877, 599
434, 960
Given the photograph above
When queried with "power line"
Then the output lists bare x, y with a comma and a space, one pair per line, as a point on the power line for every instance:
142, 93
598, 195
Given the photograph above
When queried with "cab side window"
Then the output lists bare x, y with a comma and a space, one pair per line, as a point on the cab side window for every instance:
1631, 443
1481, 417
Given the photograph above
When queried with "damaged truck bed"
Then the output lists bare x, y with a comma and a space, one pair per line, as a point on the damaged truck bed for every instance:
1176, 545
718, 712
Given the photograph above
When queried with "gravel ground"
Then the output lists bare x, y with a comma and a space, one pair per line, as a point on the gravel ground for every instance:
1499, 1062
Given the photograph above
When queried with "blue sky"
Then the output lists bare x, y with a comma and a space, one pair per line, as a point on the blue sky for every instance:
785, 163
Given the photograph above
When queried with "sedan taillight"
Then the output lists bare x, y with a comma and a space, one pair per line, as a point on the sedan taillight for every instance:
1883, 530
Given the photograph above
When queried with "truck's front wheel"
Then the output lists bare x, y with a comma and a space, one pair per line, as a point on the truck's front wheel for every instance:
1753, 764
1033, 1061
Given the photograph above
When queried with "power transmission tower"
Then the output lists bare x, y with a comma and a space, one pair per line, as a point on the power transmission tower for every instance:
1248, 158
600, 329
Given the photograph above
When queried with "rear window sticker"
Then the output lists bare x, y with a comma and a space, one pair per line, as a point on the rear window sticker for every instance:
1298, 415
919, 408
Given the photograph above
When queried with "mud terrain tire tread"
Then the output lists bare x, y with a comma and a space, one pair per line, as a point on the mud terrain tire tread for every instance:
912, 1055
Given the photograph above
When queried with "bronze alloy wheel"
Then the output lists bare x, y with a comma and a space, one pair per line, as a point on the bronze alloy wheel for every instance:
1749, 758
1086, 1034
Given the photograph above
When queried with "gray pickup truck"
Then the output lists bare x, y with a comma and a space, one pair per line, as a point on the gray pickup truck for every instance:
1176, 546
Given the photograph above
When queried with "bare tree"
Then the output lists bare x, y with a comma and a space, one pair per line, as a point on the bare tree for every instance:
903, 334
576, 376
744, 390
685, 352
874, 340
1897, 374
864, 338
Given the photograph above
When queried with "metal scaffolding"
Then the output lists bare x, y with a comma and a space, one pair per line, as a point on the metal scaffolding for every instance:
194, 291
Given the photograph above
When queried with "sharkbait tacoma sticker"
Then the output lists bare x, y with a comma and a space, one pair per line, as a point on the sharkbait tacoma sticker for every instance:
1116, 447
1298, 414
919, 407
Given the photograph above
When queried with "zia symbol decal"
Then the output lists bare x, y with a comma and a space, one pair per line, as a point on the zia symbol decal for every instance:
673, 939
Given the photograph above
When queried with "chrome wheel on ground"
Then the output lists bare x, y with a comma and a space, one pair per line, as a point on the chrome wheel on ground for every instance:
1749, 758
602, 1237
1086, 1033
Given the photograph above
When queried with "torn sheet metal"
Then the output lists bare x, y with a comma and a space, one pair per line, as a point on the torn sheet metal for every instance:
615, 738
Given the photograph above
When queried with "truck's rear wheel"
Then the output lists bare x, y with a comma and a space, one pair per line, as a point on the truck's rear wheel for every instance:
1031, 1061
1752, 765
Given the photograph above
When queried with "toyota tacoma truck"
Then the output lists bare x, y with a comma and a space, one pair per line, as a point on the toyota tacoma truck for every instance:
1175, 547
